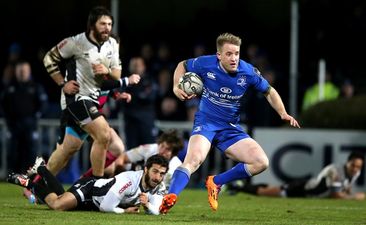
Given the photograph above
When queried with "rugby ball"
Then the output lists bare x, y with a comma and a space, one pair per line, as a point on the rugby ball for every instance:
191, 83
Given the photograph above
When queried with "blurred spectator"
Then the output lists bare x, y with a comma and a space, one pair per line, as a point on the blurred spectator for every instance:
24, 101
167, 106
199, 49
311, 96
163, 59
165, 81
140, 112
9, 69
347, 89
192, 106
258, 57
168, 109
257, 111
147, 53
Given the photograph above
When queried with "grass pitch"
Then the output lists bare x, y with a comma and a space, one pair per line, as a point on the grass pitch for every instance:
192, 208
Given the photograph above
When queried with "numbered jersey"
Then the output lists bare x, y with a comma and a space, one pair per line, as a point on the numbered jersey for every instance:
82, 53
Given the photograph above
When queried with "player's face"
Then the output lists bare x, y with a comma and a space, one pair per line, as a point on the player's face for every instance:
229, 57
154, 176
102, 28
165, 150
354, 166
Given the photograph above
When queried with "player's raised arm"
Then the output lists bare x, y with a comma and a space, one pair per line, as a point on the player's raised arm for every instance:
276, 102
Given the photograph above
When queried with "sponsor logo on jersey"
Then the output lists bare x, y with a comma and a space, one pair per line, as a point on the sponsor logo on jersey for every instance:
232, 125
256, 71
197, 129
211, 76
93, 110
124, 187
194, 62
241, 81
226, 90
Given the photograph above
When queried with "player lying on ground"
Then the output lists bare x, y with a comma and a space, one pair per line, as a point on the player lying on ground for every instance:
334, 181
124, 193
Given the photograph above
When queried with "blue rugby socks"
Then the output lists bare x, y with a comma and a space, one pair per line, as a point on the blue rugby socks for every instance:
239, 171
179, 181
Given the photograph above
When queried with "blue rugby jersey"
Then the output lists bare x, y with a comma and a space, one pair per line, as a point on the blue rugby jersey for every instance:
222, 91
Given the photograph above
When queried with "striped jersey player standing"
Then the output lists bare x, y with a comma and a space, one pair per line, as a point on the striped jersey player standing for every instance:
225, 80
90, 57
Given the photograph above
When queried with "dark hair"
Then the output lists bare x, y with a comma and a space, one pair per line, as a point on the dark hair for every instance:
94, 16
171, 138
356, 155
157, 159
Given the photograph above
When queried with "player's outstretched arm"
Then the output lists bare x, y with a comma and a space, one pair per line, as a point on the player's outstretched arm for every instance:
275, 101
110, 203
344, 195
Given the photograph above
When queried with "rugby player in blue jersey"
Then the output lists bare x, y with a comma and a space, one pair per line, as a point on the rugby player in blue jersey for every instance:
225, 80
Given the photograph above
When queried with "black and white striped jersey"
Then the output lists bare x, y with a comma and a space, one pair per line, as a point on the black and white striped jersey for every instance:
123, 190
82, 52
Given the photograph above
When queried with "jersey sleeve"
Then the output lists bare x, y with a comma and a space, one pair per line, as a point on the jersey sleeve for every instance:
174, 163
115, 194
154, 204
116, 61
67, 47
333, 179
194, 65
139, 153
257, 80
155, 200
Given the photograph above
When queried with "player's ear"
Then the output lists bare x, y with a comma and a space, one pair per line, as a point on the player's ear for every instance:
218, 55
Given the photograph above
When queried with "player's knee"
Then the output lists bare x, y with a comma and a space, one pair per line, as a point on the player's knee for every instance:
103, 138
262, 164
193, 165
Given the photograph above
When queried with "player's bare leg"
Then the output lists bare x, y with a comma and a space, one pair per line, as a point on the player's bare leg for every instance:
99, 130
249, 152
252, 160
198, 148
66, 201
63, 153
115, 149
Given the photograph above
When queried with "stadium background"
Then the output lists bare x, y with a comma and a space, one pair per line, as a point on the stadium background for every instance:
333, 30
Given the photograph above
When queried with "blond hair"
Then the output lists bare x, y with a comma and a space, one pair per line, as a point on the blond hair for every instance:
227, 38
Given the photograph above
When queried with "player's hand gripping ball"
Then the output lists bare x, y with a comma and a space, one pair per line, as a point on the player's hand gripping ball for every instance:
191, 84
